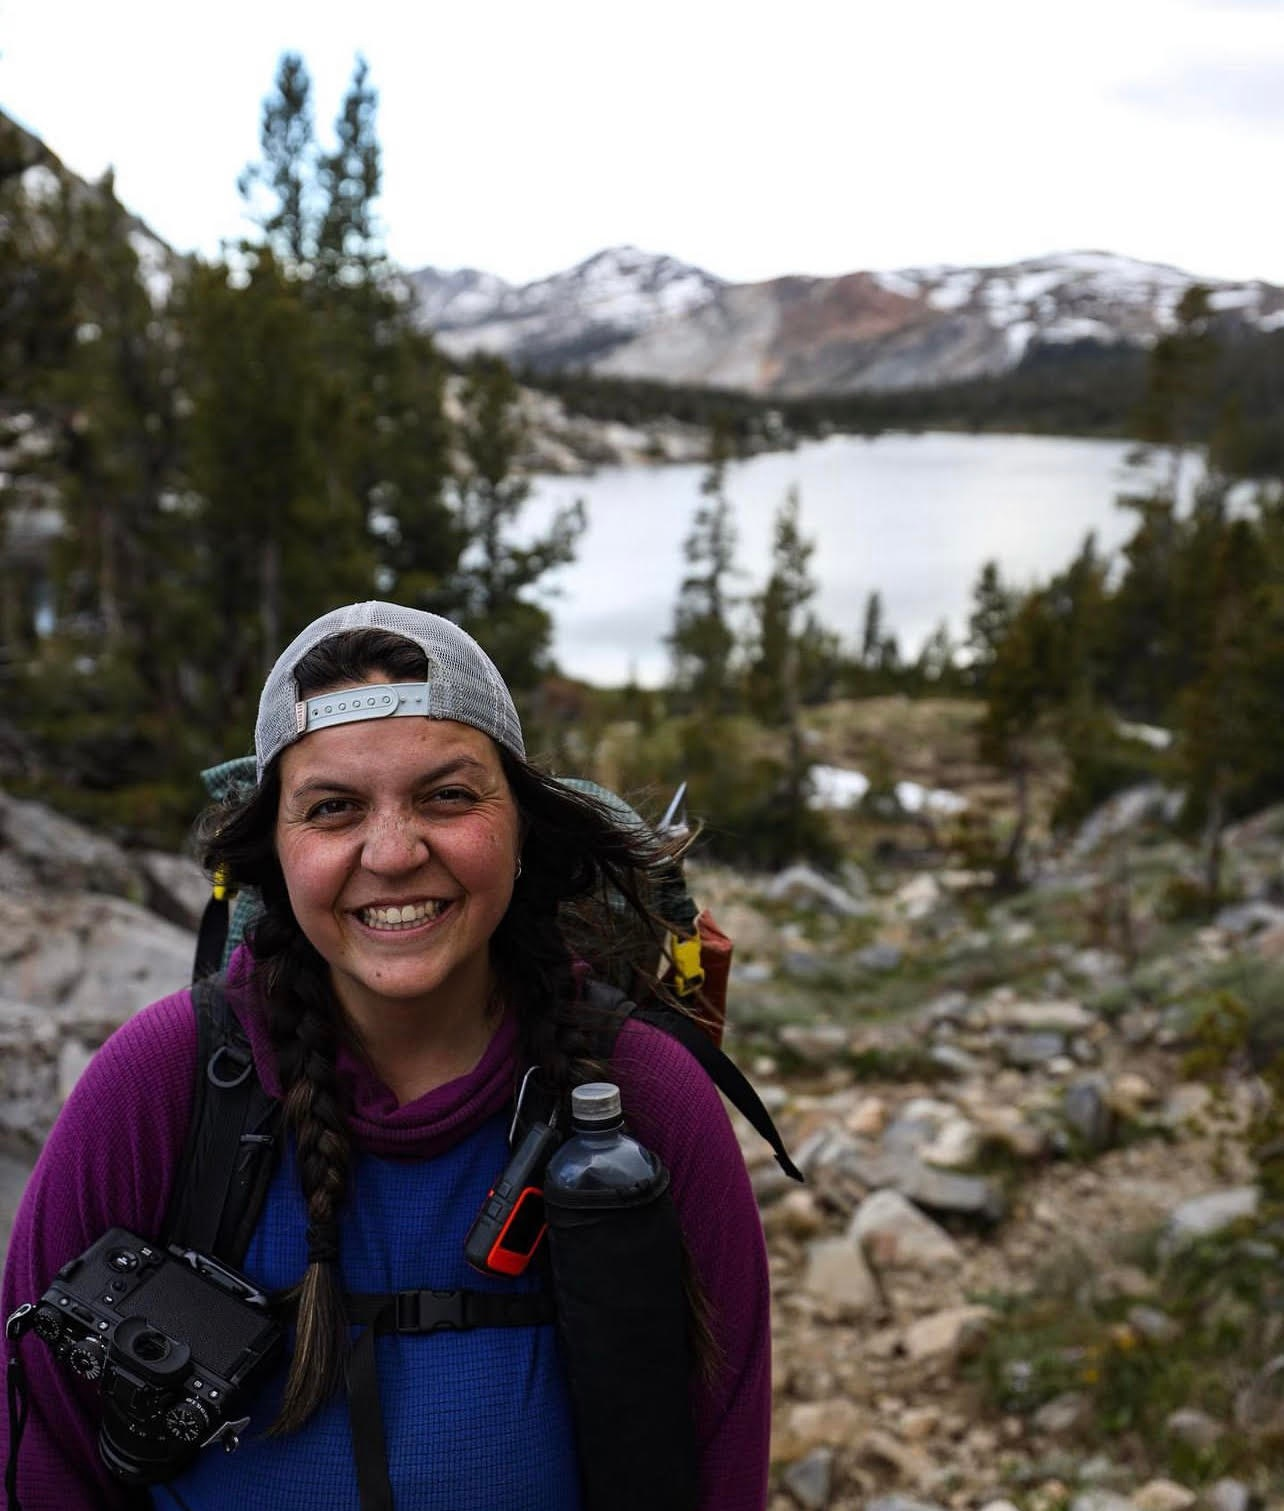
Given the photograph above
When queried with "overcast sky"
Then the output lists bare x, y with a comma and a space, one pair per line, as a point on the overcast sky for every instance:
816, 136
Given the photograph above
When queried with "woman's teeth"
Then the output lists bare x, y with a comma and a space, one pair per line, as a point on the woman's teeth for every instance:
408, 916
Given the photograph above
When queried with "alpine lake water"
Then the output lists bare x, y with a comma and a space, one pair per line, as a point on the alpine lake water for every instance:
914, 517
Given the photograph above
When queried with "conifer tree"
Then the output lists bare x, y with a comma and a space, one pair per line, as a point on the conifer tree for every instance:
497, 575
1176, 413
773, 675
872, 640
702, 640
1224, 736
40, 314
381, 456
348, 248
284, 537
284, 179
1021, 687
993, 606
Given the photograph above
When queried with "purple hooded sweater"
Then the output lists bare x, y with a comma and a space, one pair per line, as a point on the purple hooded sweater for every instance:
111, 1157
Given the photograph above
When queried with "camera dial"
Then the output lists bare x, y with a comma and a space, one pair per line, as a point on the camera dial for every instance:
48, 1325
189, 1421
86, 1359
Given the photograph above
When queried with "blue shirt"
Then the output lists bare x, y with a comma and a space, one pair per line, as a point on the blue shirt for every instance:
474, 1421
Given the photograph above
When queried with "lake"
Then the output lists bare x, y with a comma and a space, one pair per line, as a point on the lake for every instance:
913, 516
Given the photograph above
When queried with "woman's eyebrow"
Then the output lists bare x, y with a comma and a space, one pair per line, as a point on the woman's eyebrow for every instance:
453, 766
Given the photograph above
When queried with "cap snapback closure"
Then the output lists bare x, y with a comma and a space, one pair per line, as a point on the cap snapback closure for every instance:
375, 700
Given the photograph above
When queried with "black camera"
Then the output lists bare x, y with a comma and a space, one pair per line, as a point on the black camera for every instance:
174, 1341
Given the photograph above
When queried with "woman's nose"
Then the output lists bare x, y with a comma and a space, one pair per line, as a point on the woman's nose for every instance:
394, 842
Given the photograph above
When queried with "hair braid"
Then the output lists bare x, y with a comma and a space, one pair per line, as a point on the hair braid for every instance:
303, 1029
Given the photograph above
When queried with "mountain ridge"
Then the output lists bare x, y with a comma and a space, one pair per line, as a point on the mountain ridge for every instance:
628, 313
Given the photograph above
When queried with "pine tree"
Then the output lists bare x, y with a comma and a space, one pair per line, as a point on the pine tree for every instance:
1223, 734
773, 675
496, 575
283, 536
284, 180
702, 640
377, 384
40, 313
872, 639
1177, 412
993, 607
1020, 688
348, 248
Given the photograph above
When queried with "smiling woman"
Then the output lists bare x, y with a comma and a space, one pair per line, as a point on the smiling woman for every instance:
408, 977
399, 856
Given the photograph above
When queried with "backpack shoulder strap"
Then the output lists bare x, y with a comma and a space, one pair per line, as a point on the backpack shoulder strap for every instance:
231, 1138
721, 1069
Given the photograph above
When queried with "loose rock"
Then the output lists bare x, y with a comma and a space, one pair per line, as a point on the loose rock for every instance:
894, 1234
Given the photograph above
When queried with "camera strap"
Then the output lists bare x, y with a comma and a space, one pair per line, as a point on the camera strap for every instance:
414, 1312
19, 1397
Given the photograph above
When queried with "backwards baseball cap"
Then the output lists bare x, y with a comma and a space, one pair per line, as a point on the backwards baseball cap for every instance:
463, 683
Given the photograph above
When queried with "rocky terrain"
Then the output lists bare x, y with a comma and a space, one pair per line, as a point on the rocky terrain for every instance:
1019, 1163
636, 314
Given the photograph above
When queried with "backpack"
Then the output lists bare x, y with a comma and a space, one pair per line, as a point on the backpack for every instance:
230, 1157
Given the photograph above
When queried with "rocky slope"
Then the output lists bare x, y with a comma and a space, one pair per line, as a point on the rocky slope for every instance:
634, 314
1013, 1160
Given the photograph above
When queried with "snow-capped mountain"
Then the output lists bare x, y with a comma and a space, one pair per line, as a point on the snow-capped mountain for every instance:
571, 318
636, 314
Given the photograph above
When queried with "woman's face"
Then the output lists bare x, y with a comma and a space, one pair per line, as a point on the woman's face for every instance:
398, 839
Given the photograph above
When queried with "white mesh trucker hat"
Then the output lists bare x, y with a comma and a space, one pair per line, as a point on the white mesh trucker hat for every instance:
462, 684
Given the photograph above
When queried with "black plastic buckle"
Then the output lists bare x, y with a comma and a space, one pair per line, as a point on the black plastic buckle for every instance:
430, 1312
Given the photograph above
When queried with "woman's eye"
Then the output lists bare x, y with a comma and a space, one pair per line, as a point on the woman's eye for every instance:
451, 796
330, 807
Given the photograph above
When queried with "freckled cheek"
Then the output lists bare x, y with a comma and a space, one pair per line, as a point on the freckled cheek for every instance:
309, 882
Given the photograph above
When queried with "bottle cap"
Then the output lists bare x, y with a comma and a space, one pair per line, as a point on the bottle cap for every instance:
598, 1102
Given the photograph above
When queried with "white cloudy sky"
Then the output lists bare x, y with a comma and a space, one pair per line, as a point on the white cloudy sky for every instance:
814, 136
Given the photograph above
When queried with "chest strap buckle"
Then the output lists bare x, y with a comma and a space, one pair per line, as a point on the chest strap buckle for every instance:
429, 1312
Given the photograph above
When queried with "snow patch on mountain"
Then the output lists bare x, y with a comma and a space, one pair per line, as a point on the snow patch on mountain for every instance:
954, 290
903, 284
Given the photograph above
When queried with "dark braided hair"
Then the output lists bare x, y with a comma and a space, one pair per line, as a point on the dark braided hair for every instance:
573, 849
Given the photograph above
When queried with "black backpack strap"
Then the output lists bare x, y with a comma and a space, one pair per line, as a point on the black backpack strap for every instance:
211, 937
414, 1312
449, 1311
231, 1138
721, 1069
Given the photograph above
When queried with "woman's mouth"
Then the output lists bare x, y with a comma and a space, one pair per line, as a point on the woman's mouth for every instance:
396, 918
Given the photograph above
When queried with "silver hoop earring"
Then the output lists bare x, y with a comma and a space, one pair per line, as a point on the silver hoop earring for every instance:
517, 875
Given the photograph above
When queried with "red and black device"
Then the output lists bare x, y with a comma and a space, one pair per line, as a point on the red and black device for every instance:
511, 1223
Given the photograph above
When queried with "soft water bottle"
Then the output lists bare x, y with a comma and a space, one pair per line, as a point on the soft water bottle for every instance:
623, 1314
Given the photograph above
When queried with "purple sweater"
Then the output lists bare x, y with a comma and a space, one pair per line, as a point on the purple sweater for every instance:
111, 1157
